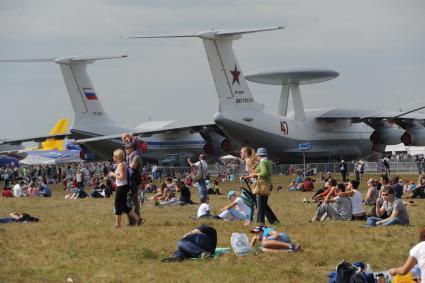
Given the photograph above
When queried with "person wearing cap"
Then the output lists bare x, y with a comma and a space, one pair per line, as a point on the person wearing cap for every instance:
273, 241
237, 208
372, 192
263, 171
343, 170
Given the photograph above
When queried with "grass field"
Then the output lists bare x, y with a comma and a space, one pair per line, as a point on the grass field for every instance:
75, 239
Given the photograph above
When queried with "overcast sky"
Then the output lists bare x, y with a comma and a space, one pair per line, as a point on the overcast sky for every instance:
378, 47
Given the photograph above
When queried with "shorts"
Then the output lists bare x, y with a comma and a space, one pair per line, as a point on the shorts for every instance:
120, 204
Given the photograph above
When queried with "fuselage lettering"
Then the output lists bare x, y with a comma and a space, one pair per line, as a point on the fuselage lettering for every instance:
284, 127
244, 100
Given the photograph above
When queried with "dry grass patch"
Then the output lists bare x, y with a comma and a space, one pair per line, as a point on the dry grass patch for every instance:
76, 239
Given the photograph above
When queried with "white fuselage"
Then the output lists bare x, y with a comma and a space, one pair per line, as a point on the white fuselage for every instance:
281, 135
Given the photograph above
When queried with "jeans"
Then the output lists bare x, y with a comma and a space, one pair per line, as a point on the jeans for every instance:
192, 246
371, 221
202, 188
234, 213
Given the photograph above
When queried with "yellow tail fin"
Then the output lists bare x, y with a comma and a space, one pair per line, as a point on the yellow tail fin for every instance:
61, 127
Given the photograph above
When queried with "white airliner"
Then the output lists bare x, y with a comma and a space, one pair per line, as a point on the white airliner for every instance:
325, 133
92, 126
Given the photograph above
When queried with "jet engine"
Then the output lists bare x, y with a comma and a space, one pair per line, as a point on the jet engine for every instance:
386, 135
414, 136
218, 146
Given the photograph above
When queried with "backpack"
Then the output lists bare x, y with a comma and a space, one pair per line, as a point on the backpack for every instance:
134, 179
246, 194
240, 244
248, 198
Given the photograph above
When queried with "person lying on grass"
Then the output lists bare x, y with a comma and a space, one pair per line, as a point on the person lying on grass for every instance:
273, 241
18, 217
200, 242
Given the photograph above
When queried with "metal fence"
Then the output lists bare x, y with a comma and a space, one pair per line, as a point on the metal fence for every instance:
284, 169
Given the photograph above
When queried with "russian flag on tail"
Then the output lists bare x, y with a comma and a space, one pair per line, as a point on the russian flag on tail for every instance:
90, 94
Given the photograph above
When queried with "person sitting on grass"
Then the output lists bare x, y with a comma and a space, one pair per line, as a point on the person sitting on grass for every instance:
308, 185
44, 190
292, 187
355, 195
160, 192
32, 189
416, 256
393, 207
273, 241
170, 189
237, 208
184, 195
336, 208
321, 194
372, 192
419, 190
214, 189
200, 242
204, 210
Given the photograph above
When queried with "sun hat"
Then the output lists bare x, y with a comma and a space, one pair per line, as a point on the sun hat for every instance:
261, 151
230, 194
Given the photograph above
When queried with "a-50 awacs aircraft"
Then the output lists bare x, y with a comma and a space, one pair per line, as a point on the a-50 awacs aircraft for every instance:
98, 135
329, 133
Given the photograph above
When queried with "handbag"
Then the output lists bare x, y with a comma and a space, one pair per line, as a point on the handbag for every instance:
198, 176
261, 188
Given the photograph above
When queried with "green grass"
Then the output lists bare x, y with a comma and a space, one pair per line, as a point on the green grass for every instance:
75, 239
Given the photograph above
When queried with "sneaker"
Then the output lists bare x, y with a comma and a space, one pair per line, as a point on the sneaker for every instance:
206, 255
297, 248
140, 221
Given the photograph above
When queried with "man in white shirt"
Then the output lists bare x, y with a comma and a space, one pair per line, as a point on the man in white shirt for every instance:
201, 175
237, 208
18, 189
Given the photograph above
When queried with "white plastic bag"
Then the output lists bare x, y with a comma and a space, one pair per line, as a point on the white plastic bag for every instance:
240, 244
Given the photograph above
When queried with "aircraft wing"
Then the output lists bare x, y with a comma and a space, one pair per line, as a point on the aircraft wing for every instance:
374, 119
174, 127
36, 139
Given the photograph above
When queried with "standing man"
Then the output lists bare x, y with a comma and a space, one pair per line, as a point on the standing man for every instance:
134, 162
343, 170
201, 175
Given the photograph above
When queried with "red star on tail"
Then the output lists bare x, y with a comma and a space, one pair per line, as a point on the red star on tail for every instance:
235, 74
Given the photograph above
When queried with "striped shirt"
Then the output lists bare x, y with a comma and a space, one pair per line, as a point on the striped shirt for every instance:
342, 205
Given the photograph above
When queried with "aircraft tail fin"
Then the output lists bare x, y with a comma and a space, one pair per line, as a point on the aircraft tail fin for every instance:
88, 110
61, 127
84, 100
231, 86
